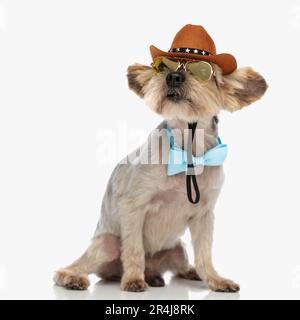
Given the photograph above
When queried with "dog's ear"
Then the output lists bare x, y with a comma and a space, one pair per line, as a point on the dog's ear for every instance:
138, 75
241, 88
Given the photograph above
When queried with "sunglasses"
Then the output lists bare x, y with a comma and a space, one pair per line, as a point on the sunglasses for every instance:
201, 70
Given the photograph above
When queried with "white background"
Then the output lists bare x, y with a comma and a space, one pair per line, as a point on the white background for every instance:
63, 85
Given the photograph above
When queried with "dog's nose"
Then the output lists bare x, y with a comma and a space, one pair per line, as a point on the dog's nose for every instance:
175, 79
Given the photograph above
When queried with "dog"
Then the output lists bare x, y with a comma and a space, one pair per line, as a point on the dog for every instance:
144, 210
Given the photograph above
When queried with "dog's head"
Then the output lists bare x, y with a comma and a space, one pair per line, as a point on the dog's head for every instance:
180, 95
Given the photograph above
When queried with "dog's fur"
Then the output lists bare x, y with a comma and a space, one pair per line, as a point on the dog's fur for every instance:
144, 211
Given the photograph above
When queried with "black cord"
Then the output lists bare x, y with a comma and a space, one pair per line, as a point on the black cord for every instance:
191, 177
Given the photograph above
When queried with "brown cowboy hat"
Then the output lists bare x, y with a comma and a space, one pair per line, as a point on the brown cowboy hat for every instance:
193, 42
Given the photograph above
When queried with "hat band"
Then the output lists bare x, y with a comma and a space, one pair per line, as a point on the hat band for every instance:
190, 50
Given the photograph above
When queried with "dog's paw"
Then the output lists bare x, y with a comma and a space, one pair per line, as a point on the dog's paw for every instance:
222, 285
155, 281
191, 274
71, 281
137, 285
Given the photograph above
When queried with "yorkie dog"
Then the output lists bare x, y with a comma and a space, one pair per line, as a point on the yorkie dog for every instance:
149, 204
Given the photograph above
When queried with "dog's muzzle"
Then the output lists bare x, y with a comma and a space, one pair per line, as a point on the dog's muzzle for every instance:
174, 82
174, 95
175, 79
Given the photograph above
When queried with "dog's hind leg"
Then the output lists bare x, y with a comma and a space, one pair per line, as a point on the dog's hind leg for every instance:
153, 272
111, 271
104, 249
176, 261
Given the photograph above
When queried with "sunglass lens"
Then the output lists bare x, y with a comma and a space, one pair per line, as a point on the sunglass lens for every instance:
162, 64
157, 65
201, 70
171, 65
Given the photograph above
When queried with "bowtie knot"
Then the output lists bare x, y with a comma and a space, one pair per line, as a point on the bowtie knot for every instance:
178, 157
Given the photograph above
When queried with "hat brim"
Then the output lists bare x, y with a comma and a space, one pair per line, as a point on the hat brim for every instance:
225, 61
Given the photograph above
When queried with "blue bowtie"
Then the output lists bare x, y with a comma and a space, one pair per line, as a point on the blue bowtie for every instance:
178, 157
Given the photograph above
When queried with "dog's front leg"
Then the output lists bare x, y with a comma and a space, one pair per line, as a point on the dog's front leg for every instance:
201, 227
133, 255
